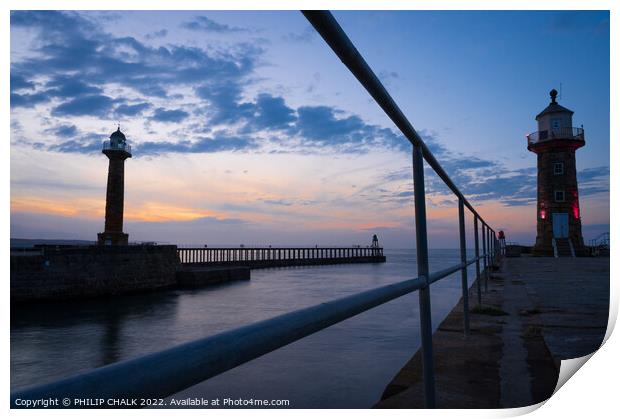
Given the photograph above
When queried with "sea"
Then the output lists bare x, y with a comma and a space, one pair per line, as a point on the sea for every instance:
347, 365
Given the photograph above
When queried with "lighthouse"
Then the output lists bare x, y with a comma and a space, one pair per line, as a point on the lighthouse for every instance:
117, 150
558, 231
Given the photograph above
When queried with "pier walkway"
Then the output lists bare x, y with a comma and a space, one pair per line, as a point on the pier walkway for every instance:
269, 257
537, 312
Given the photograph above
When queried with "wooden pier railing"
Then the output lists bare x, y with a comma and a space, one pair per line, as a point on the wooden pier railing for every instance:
257, 257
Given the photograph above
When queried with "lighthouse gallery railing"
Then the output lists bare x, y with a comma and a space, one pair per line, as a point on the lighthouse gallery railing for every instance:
570, 133
107, 145
167, 372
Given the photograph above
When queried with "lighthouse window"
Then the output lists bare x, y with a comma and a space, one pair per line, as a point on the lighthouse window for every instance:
555, 124
559, 196
558, 168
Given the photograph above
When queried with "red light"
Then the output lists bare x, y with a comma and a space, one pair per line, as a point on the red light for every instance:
575, 205
542, 213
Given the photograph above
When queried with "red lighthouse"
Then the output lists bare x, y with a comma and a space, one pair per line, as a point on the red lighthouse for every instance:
117, 150
558, 215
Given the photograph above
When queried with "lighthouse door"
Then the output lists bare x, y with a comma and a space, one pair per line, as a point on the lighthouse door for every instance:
560, 225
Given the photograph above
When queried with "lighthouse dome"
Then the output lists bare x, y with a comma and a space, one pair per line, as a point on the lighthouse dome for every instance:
554, 107
118, 135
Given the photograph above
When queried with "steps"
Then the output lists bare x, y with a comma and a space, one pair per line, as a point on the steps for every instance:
563, 247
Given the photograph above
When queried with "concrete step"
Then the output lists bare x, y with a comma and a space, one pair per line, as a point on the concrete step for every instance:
563, 248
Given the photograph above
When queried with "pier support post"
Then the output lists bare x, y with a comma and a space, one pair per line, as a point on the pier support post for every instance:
477, 250
426, 331
464, 285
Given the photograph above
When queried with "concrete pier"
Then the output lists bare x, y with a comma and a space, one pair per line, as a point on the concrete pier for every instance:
71, 272
537, 312
50, 273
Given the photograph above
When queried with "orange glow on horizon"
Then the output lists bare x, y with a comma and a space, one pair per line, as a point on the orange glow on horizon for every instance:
95, 209
160, 212
77, 207
320, 217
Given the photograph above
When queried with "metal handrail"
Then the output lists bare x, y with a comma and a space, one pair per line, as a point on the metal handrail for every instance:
166, 372
331, 32
568, 133
169, 371
600, 240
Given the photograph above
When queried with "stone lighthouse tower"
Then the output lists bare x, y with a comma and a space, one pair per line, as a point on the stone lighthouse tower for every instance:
558, 215
117, 151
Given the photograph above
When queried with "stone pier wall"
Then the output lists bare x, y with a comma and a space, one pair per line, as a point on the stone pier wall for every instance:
92, 271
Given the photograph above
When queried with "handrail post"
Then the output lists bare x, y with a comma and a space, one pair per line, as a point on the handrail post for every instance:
426, 331
486, 257
464, 285
489, 261
492, 247
477, 249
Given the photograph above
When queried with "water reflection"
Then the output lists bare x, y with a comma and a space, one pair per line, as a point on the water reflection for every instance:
346, 365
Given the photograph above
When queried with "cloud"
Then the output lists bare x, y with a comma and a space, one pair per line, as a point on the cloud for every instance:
75, 61
80, 61
92, 105
65, 131
60, 87
131, 110
70, 47
481, 180
86, 146
593, 173
224, 102
68, 87
404, 194
324, 127
202, 145
27, 100
305, 36
280, 202
19, 82
319, 123
387, 77
204, 24
593, 180
157, 34
169, 115
271, 112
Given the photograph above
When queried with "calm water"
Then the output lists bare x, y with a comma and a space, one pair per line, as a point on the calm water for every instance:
346, 365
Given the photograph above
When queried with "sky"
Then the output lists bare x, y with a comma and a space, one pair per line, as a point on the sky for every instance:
247, 129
